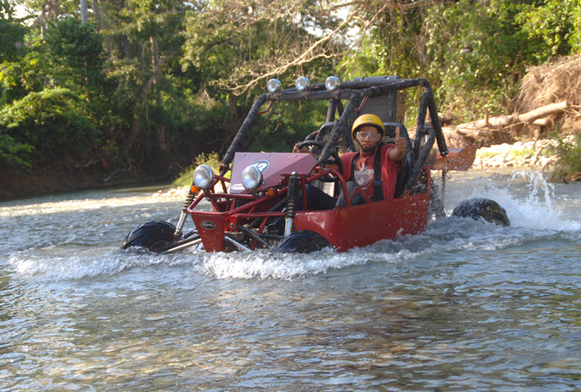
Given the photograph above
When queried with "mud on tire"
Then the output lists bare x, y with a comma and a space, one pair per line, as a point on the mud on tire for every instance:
304, 241
478, 208
155, 236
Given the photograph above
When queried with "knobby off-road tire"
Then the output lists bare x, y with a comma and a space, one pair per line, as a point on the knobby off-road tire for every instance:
478, 208
154, 236
304, 241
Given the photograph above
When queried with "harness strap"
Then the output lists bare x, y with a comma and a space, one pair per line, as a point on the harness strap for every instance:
377, 183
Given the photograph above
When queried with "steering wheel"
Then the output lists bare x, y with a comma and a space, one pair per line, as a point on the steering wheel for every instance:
335, 161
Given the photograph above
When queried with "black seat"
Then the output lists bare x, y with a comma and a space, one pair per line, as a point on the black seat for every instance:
323, 136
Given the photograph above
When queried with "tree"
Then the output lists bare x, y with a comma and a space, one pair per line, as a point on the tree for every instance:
153, 29
473, 52
54, 122
242, 43
76, 53
12, 32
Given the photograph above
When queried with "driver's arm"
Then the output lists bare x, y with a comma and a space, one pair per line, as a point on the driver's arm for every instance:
306, 149
296, 148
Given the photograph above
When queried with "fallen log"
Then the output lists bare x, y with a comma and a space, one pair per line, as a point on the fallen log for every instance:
545, 111
530, 117
491, 130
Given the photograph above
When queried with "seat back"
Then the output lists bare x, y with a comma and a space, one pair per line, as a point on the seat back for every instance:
324, 134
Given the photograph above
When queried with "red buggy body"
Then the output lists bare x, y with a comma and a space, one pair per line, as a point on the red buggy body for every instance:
344, 228
255, 197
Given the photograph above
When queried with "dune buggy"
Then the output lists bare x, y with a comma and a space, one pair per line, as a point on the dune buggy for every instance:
257, 206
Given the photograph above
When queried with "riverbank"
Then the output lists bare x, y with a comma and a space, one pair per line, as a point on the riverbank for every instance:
538, 155
45, 182
535, 155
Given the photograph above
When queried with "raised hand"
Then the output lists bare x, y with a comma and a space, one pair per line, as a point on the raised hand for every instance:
401, 146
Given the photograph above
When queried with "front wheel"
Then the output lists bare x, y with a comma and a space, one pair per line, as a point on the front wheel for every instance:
154, 236
478, 208
303, 241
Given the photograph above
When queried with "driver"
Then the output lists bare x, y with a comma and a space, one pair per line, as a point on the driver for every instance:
374, 168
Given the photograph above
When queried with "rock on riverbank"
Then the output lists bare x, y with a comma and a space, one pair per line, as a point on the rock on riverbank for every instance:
535, 154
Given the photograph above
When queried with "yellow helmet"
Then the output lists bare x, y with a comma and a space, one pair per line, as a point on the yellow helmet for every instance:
366, 120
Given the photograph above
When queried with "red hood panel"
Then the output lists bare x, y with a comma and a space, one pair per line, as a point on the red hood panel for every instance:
271, 164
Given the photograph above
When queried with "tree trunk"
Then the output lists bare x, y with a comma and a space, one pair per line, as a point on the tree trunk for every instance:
84, 12
545, 111
504, 121
154, 61
140, 106
490, 131
98, 16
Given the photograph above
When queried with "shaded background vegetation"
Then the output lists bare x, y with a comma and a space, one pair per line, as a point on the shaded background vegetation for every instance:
145, 86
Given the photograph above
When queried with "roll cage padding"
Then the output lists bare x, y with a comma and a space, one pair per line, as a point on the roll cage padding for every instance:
241, 135
422, 156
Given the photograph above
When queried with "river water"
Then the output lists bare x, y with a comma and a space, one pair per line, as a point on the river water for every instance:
465, 306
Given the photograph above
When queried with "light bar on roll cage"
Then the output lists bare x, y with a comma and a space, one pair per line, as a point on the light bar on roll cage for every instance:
302, 83
332, 83
273, 85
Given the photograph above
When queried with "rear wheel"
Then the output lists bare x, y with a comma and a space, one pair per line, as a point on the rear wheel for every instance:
478, 208
304, 241
154, 236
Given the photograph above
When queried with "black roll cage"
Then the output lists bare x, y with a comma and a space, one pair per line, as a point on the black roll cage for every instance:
355, 92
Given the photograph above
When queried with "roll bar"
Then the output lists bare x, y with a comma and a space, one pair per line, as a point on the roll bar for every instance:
354, 92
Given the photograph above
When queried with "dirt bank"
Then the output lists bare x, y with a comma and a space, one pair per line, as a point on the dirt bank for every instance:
27, 184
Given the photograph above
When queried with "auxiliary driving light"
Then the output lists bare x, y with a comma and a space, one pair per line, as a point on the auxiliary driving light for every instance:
332, 83
302, 83
251, 178
203, 176
273, 85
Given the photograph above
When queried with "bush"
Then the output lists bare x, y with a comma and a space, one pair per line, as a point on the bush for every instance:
211, 160
54, 122
569, 159
14, 156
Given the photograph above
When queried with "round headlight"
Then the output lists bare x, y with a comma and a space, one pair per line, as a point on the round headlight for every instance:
251, 178
273, 85
302, 83
332, 83
203, 176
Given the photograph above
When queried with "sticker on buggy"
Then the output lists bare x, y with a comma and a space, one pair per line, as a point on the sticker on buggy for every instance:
207, 225
261, 165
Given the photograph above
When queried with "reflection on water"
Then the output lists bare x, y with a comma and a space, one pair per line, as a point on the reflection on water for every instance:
463, 306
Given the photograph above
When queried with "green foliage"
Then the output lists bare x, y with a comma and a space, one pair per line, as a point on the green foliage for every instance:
12, 32
25, 74
144, 74
291, 124
523, 152
569, 158
13, 155
54, 122
76, 54
212, 160
236, 45
474, 53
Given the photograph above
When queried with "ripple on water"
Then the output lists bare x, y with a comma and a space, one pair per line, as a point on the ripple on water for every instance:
462, 306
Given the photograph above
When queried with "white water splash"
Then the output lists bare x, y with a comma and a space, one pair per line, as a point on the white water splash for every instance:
526, 196
73, 240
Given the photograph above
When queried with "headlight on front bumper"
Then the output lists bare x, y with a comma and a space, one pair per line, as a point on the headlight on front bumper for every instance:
251, 178
203, 176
